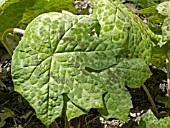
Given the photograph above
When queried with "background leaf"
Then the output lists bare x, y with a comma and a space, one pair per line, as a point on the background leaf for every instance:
18, 13
164, 8
144, 3
150, 121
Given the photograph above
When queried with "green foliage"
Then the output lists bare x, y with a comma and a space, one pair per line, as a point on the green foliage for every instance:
150, 121
4, 116
62, 64
17, 13
163, 100
161, 52
164, 9
144, 3
149, 10
69, 63
161, 57
125, 28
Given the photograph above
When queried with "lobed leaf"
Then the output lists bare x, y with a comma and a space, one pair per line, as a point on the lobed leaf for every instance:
60, 64
53, 61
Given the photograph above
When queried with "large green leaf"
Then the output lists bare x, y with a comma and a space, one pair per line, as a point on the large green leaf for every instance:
53, 59
150, 121
60, 63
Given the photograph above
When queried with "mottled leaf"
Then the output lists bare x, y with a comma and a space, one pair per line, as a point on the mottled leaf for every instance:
60, 56
56, 59
126, 28
166, 29
130, 73
164, 8
150, 121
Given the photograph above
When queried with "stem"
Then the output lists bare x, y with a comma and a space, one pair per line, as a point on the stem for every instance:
54, 125
76, 123
64, 116
82, 121
151, 100
5, 41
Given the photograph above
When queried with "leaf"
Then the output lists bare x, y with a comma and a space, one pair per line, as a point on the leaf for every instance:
73, 111
7, 18
125, 27
131, 73
156, 19
4, 116
159, 56
165, 29
56, 59
150, 121
144, 3
27, 10
163, 100
2, 2
164, 8
60, 64
53, 67
44, 6
152, 14
150, 10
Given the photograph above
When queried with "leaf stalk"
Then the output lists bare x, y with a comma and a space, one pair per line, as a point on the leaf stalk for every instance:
151, 100
5, 40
